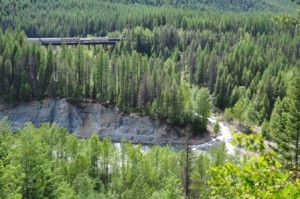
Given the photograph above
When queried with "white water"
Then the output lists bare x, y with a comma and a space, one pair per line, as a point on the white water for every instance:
225, 136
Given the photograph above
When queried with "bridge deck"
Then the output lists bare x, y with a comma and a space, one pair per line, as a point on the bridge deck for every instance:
75, 41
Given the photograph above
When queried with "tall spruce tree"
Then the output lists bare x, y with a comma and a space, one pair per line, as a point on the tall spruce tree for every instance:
285, 126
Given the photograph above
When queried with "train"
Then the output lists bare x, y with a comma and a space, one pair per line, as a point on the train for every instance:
75, 40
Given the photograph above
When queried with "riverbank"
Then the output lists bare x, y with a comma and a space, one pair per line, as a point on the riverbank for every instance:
84, 118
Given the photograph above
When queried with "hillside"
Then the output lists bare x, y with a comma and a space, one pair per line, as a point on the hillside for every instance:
56, 18
241, 60
219, 5
176, 64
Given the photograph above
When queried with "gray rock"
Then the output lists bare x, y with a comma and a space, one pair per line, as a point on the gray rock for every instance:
85, 118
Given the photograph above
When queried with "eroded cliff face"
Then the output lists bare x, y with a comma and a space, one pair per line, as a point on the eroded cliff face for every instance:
84, 118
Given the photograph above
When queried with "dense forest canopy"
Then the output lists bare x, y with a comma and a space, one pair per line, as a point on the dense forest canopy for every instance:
48, 162
75, 17
219, 5
164, 68
179, 59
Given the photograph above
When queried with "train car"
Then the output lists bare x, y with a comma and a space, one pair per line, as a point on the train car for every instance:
71, 40
53, 41
100, 39
85, 40
76, 41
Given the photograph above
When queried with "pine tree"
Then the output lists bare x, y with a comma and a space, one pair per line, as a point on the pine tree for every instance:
201, 107
187, 166
25, 92
12, 94
31, 155
285, 126
49, 65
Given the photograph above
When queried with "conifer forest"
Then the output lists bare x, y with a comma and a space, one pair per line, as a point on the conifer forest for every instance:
176, 61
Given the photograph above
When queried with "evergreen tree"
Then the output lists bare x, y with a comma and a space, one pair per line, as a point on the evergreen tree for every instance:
25, 92
285, 126
202, 110
30, 154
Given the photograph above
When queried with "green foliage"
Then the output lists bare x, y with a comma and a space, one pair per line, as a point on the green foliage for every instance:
284, 126
173, 61
47, 162
5, 137
201, 109
10, 175
25, 92
170, 54
171, 190
262, 176
216, 128
252, 180
83, 185
289, 21
9, 182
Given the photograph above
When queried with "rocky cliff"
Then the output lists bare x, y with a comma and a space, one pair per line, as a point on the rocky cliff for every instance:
85, 117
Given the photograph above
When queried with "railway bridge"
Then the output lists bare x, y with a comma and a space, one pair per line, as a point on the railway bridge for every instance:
75, 41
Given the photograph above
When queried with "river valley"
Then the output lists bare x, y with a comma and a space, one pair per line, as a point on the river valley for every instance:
85, 118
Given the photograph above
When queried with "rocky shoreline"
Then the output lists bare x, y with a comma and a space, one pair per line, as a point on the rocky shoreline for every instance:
84, 118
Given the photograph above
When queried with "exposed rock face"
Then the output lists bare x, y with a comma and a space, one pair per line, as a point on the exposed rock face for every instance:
85, 118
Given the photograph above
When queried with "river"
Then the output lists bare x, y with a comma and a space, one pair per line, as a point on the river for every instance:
224, 136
